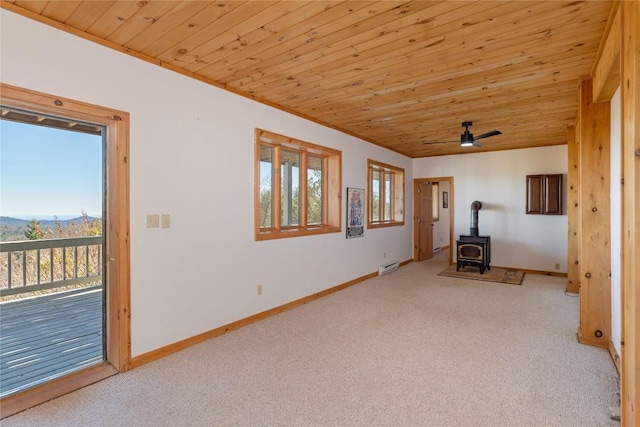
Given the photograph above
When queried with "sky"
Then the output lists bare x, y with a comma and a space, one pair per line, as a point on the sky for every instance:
46, 172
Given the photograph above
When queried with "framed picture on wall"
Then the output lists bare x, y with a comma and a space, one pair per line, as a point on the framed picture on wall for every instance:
445, 200
355, 212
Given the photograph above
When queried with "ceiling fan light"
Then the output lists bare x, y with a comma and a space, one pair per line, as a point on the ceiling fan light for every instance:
466, 139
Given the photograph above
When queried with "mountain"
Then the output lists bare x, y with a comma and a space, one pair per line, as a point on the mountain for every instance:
10, 222
12, 229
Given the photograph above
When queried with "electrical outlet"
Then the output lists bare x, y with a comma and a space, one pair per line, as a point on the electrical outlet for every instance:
166, 221
153, 221
259, 289
557, 266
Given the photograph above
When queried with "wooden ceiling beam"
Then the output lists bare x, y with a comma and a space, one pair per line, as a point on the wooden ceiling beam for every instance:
502, 78
85, 15
180, 15
250, 31
393, 73
306, 19
458, 40
188, 30
182, 54
143, 18
340, 42
60, 10
36, 6
416, 74
418, 40
427, 98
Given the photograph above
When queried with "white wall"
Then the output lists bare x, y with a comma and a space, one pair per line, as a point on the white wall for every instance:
616, 221
498, 180
191, 156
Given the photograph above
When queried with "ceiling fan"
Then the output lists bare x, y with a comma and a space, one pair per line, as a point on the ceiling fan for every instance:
467, 139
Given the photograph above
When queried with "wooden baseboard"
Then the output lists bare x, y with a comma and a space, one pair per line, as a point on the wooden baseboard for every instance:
615, 356
181, 345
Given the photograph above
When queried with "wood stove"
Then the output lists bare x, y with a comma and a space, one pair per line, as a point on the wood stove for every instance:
474, 249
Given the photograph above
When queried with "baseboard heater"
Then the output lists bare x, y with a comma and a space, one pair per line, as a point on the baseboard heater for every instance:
388, 268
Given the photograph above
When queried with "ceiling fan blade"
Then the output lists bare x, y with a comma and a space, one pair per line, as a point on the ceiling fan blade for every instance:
488, 134
477, 144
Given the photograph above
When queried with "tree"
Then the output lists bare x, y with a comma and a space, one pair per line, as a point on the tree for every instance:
265, 202
314, 199
33, 231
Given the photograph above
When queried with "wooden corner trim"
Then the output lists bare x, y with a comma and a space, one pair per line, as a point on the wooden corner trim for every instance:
615, 357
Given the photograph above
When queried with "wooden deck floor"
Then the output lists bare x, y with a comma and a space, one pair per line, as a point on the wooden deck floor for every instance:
48, 336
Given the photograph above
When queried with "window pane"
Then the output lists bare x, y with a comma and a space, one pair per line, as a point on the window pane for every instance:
388, 196
266, 178
314, 190
375, 195
290, 188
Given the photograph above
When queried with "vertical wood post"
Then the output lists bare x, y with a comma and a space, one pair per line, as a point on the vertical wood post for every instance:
595, 224
630, 98
573, 212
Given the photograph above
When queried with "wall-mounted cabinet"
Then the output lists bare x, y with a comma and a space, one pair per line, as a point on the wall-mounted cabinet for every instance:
544, 194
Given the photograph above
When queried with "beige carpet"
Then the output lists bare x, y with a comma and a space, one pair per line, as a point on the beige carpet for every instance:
410, 348
513, 277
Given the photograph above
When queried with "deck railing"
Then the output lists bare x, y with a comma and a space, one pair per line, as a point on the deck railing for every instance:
35, 265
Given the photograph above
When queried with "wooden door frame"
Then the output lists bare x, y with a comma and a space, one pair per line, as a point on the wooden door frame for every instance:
416, 184
117, 277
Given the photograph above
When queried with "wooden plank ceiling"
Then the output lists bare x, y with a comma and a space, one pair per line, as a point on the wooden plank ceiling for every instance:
400, 74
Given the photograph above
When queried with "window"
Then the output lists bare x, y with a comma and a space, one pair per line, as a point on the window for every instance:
297, 188
386, 195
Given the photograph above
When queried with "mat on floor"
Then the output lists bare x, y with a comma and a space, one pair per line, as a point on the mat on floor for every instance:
513, 277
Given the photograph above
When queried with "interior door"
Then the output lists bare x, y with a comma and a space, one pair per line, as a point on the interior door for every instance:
425, 221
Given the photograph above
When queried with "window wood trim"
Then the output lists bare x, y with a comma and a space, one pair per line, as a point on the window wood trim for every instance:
117, 289
331, 187
397, 201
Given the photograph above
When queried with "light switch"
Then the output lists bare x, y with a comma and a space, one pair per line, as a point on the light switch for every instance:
166, 221
153, 221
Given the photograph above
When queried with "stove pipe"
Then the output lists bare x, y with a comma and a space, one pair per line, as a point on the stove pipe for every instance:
475, 207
